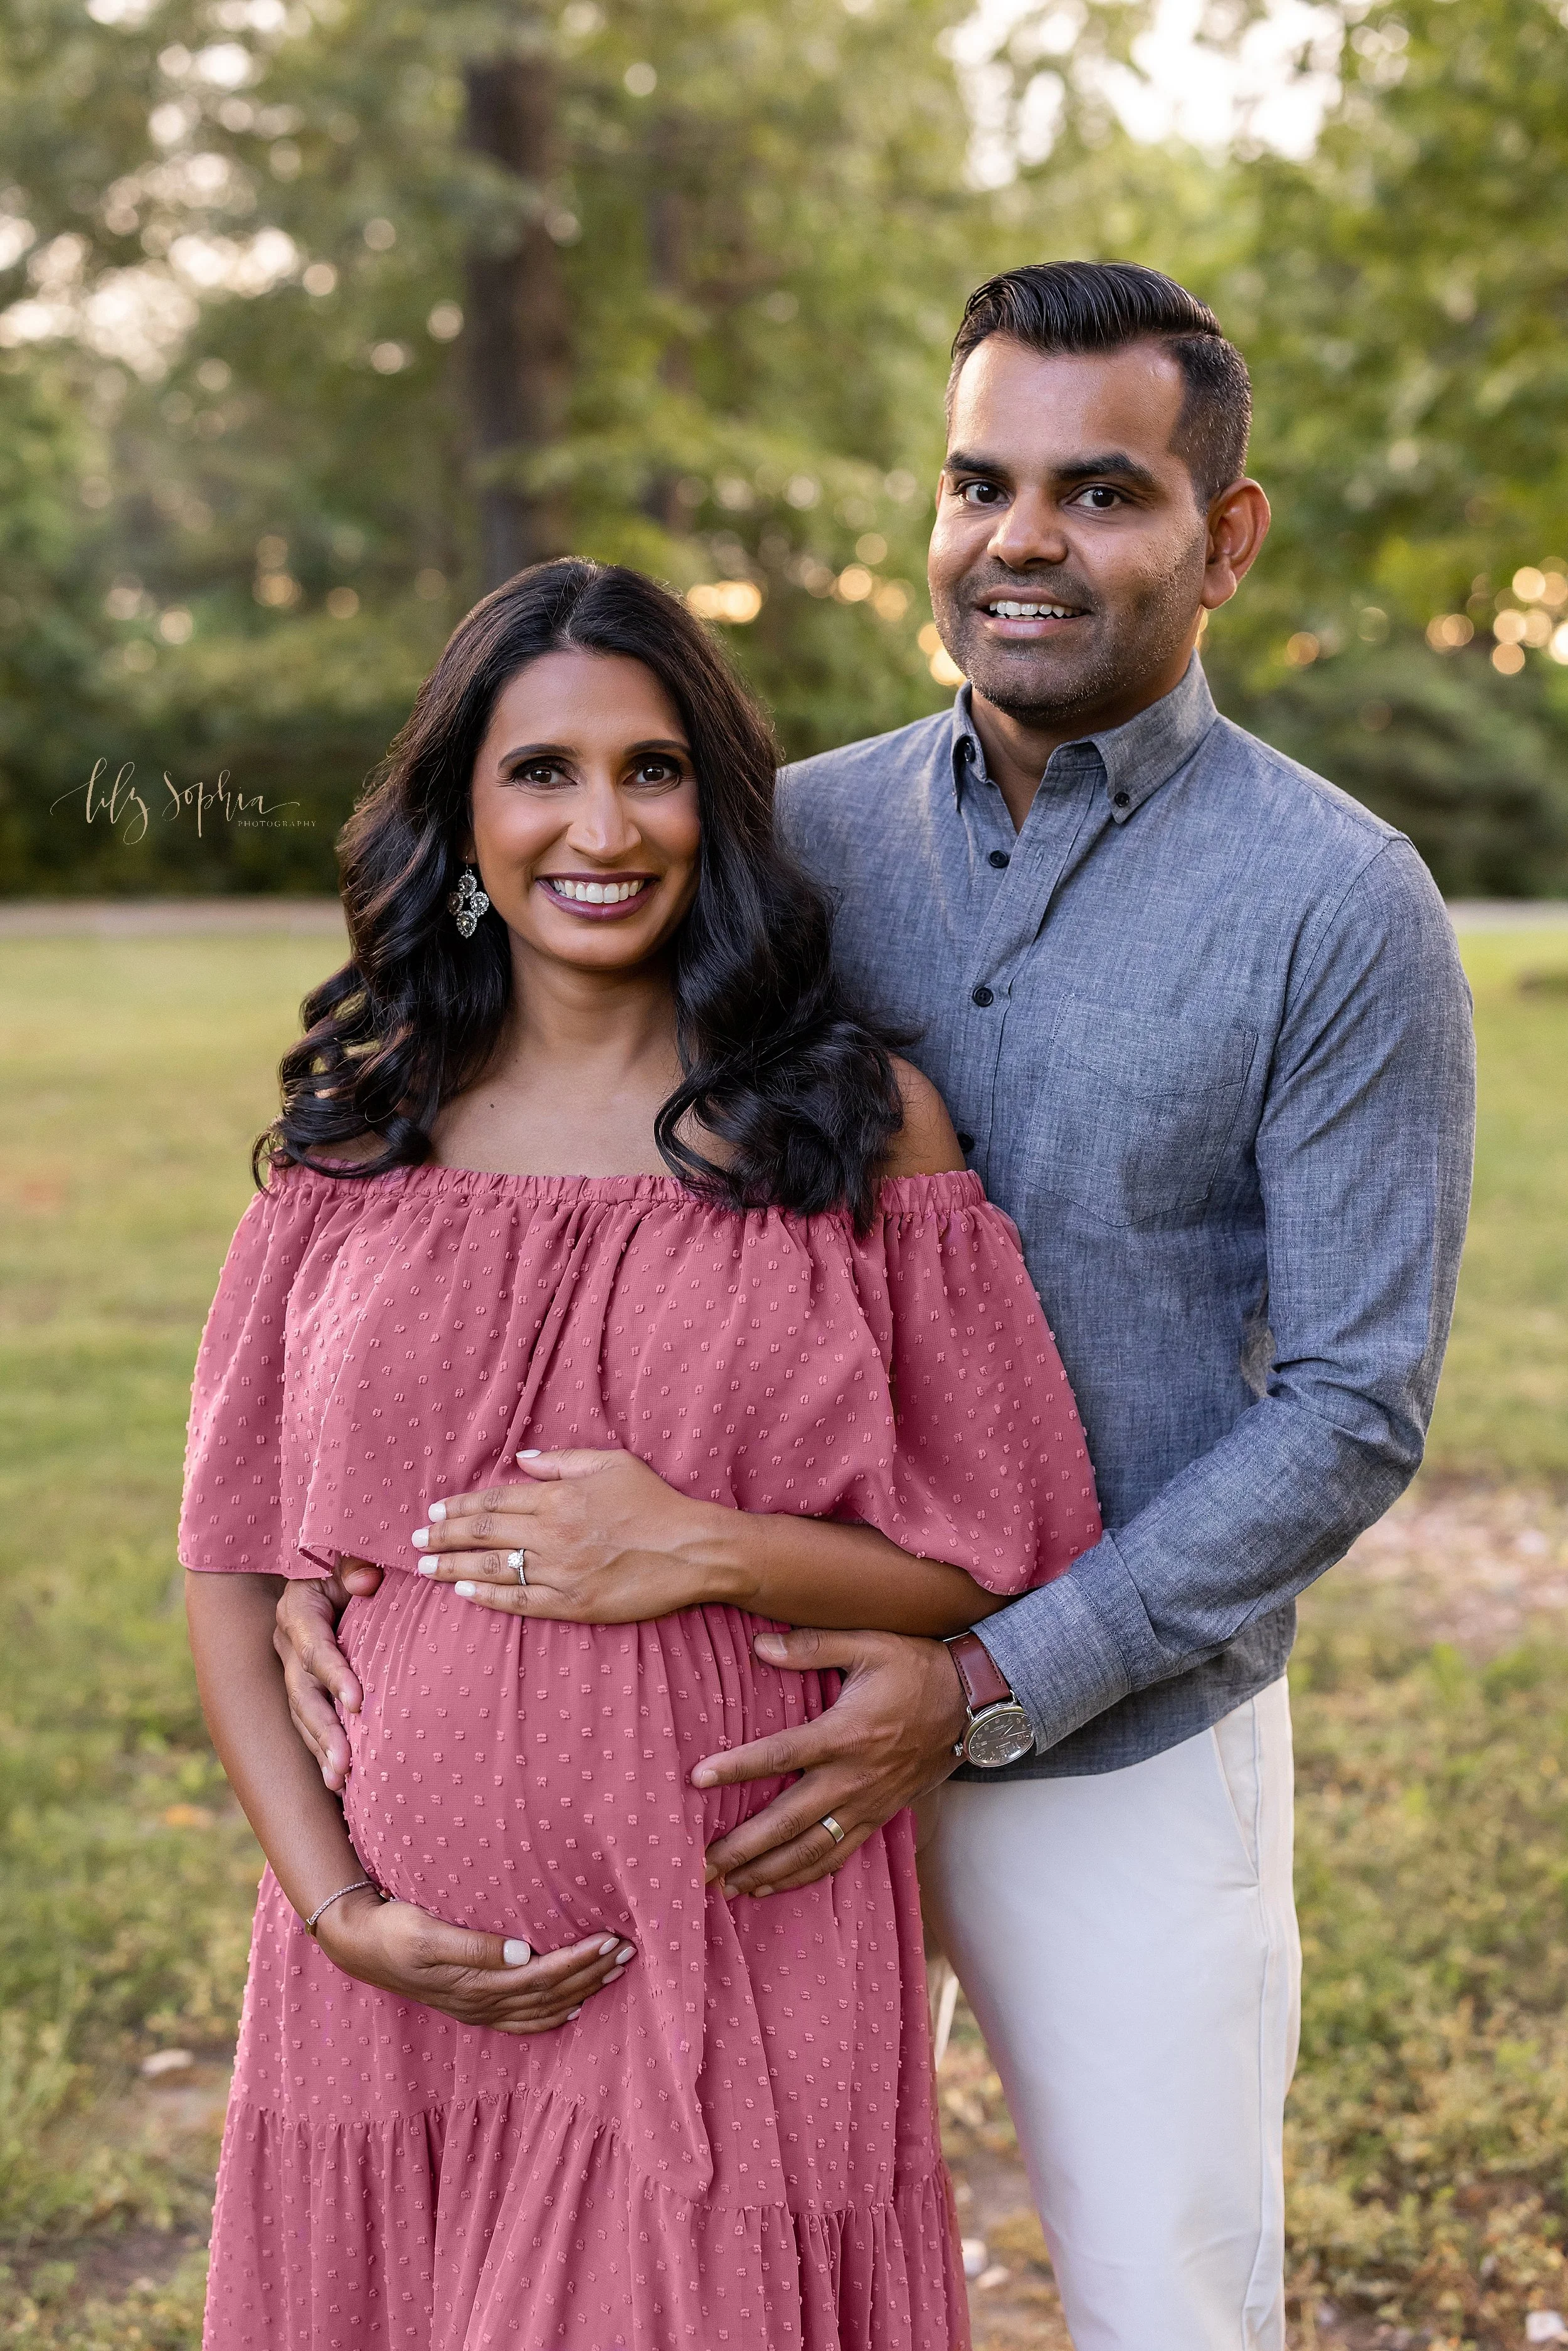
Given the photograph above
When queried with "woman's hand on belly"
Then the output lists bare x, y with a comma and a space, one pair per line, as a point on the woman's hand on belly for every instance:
477, 1979
598, 1537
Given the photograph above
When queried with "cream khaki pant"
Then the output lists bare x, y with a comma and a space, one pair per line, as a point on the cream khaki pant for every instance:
1127, 1942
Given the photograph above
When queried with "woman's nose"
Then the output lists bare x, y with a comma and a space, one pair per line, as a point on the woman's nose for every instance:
601, 824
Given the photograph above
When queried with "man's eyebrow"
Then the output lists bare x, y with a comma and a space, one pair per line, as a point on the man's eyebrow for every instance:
1112, 462
959, 461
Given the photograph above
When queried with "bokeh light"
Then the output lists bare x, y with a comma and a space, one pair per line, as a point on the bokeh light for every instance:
735, 600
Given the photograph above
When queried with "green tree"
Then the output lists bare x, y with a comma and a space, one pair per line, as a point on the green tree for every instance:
688, 353
1400, 295
325, 315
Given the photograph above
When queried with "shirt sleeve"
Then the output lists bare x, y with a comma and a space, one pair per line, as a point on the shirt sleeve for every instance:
1364, 1157
235, 1515
989, 1470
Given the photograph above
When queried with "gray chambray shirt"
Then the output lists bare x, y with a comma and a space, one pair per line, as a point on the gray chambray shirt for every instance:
1202, 1032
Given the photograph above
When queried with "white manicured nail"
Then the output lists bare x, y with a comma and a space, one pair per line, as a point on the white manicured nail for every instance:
426, 1567
421, 1538
517, 1954
614, 1976
606, 1947
436, 1511
465, 1591
623, 1954
531, 1453
572, 2012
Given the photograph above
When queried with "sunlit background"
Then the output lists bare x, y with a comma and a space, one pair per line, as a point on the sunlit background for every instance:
316, 317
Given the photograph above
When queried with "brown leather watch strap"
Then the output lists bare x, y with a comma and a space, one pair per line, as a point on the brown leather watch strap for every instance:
983, 1679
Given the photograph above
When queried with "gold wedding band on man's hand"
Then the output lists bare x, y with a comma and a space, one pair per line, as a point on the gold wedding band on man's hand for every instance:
833, 1828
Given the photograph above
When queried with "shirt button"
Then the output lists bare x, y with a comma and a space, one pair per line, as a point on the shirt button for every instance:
1121, 799
982, 997
999, 858
966, 1142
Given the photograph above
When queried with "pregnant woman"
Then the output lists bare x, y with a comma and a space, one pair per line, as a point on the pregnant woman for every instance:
591, 1202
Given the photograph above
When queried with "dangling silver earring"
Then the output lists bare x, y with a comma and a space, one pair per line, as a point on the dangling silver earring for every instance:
468, 902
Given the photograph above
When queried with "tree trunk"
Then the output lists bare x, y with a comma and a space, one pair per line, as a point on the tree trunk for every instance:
667, 268
519, 348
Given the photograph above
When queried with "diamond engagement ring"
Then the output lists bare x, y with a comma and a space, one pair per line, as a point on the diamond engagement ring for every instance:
833, 1828
515, 1559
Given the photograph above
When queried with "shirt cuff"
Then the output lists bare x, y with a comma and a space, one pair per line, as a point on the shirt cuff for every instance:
1058, 1651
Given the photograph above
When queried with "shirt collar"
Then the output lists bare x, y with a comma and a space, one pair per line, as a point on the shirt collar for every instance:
1136, 759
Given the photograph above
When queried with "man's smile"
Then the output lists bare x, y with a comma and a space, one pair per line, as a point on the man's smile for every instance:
1027, 618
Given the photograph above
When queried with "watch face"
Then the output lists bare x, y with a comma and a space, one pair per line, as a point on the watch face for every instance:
1000, 1735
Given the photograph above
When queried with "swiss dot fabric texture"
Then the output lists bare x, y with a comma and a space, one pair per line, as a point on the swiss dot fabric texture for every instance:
737, 2143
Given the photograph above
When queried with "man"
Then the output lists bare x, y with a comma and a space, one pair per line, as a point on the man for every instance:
1201, 1023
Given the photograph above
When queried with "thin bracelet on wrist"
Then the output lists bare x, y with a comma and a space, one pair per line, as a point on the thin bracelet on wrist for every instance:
353, 1887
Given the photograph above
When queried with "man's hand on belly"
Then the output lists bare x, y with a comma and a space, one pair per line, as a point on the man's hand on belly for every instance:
315, 1671
888, 1736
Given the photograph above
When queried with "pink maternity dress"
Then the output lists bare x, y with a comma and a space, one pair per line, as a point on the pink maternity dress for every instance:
735, 2144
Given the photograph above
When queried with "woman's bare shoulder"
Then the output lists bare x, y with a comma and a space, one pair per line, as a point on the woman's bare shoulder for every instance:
348, 1155
926, 1144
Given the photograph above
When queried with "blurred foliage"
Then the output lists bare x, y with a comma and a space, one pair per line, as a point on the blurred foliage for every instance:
50, 2312
241, 485
1447, 750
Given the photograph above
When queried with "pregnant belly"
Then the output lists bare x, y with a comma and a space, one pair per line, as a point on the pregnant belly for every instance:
528, 1777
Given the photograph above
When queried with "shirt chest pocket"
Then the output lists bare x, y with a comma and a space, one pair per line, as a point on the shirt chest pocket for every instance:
1135, 1110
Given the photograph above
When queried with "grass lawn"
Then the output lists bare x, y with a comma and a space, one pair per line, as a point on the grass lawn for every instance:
1429, 2138
1502, 1410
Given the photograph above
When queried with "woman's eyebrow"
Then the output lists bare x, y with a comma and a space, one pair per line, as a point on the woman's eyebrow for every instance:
570, 751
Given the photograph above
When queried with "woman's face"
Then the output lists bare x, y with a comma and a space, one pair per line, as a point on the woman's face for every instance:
584, 811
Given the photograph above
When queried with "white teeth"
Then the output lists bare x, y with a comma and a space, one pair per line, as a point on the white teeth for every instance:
1005, 610
595, 894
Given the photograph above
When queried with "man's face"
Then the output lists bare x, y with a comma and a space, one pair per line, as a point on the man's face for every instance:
1067, 563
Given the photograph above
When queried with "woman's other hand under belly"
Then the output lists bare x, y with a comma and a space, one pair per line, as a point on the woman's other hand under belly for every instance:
485, 1980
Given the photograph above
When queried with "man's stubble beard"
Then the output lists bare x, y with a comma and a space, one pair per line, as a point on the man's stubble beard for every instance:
1145, 640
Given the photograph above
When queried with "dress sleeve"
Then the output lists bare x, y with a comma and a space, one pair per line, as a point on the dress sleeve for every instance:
990, 1469
236, 1514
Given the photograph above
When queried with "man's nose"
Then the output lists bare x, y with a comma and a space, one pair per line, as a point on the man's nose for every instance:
1028, 530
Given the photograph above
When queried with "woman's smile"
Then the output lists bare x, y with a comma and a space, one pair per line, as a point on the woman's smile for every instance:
596, 897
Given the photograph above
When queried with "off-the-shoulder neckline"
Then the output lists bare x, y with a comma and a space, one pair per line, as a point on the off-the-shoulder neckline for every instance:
893, 1191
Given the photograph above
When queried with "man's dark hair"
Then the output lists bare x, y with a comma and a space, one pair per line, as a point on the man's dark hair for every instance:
1055, 306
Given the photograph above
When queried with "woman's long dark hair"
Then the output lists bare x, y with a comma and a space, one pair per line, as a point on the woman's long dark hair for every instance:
777, 1064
